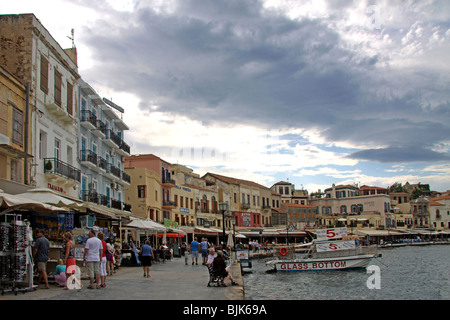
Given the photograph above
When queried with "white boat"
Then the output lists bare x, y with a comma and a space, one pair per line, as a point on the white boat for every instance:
325, 254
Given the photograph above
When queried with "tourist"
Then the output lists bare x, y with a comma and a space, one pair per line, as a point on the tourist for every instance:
103, 261
219, 265
40, 255
204, 248
211, 257
92, 253
147, 254
194, 251
69, 254
60, 274
184, 252
109, 257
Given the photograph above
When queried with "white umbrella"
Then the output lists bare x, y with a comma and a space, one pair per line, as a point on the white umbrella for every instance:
146, 225
230, 242
240, 236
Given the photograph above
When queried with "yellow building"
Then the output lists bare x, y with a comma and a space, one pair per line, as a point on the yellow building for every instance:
15, 136
144, 193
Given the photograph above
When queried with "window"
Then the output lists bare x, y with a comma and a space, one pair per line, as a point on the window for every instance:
57, 149
16, 171
44, 75
42, 144
235, 197
69, 99
58, 82
17, 130
343, 209
141, 191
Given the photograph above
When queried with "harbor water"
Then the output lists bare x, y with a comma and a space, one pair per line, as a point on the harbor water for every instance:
403, 273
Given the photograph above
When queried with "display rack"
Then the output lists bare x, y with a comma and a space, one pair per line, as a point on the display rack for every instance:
16, 263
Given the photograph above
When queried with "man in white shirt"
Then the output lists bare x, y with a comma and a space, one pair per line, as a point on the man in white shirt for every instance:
92, 253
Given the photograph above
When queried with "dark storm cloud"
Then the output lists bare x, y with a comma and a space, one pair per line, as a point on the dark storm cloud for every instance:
232, 61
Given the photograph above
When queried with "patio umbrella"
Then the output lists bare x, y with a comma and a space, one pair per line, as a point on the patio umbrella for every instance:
230, 242
149, 225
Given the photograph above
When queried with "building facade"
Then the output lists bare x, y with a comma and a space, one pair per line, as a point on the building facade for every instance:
32, 55
101, 151
15, 133
162, 167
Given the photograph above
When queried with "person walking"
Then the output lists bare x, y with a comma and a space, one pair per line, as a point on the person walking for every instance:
147, 254
69, 255
194, 250
185, 252
92, 253
204, 248
103, 261
109, 257
40, 255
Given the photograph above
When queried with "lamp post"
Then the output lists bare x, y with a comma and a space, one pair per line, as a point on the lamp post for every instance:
234, 234
223, 206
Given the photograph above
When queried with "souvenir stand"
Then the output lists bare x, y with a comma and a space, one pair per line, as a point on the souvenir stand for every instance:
16, 266
16, 263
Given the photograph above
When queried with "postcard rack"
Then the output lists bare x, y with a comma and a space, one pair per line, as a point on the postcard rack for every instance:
16, 264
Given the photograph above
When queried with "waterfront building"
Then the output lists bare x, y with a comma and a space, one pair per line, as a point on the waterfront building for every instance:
420, 212
440, 212
162, 167
400, 205
101, 150
300, 216
196, 204
15, 132
144, 193
249, 201
32, 55
289, 194
343, 205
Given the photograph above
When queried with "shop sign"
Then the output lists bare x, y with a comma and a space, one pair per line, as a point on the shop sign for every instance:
56, 188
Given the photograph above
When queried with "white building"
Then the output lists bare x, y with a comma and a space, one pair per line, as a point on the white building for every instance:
101, 150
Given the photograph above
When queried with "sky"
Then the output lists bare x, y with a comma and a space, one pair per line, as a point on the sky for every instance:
314, 92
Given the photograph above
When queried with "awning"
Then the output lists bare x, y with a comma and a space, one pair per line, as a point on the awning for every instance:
47, 195
377, 233
146, 225
171, 235
15, 202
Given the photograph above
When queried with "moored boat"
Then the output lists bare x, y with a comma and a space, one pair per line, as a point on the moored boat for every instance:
327, 252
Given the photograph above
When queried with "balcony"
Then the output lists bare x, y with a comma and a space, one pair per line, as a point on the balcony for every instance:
111, 139
245, 206
102, 165
91, 196
100, 130
103, 200
126, 179
167, 204
124, 149
168, 182
115, 171
88, 120
116, 204
60, 170
88, 159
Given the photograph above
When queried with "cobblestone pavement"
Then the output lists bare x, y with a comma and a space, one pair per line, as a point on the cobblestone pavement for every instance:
172, 280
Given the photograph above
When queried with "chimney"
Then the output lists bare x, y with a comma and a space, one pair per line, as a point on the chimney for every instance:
72, 53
